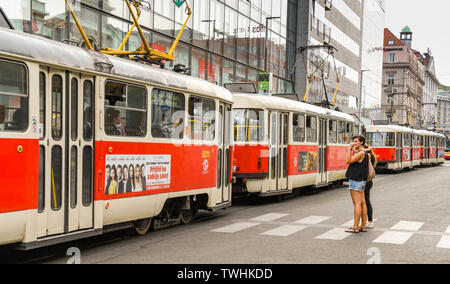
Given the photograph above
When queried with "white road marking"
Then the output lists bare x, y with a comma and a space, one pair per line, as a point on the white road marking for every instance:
396, 238
407, 226
268, 217
445, 240
312, 220
236, 227
284, 231
393, 236
337, 234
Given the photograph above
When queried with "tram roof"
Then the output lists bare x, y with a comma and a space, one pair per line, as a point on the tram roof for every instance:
278, 103
388, 128
56, 53
397, 128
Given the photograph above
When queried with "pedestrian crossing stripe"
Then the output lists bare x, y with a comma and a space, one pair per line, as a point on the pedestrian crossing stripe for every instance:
398, 234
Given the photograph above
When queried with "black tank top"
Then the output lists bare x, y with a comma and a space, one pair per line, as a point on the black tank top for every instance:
359, 171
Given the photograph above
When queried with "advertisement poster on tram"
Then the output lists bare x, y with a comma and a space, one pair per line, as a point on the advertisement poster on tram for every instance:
136, 173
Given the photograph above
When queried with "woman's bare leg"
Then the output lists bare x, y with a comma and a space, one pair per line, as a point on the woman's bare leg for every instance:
356, 198
363, 210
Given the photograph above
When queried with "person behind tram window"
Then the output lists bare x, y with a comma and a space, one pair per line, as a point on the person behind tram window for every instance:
2, 117
144, 180
112, 189
120, 182
168, 127
113, 125
358, 173
138, 179
369, 185
107, 178
132, 183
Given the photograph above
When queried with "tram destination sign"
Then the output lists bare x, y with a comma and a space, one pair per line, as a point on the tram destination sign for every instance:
265, 81
178, 2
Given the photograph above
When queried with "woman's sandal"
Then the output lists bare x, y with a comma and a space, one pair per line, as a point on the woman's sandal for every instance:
364, 230
352, 230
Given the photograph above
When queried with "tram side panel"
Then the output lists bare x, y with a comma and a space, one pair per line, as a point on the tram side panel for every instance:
303, 165
337, 162
251, 167
19, 174
171, 171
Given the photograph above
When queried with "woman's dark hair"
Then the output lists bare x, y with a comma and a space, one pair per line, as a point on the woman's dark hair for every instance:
361, 139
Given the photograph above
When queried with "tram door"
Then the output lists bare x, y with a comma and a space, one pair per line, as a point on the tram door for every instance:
399, 149
224, 160
278, 153
65, 200
323, 131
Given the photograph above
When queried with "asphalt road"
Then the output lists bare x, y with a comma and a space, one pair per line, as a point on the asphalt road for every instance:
412, 211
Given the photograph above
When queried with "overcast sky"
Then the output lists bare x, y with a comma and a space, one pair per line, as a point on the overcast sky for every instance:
429, 21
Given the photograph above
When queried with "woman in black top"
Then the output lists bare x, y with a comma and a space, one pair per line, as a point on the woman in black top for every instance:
369, 185
358, 173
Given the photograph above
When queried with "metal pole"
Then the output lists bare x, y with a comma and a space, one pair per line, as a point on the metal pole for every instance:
266, 45
361, 97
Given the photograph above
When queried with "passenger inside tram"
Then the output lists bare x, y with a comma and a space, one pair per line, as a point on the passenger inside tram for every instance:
113, 123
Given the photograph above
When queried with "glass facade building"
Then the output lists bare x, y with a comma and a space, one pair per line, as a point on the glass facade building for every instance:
339, 24
372, 60
223, 42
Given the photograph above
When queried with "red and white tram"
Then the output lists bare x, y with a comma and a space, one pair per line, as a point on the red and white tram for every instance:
393, 146
89, 142
282, 145
399, 147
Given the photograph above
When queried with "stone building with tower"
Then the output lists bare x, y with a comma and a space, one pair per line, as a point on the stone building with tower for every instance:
403, 80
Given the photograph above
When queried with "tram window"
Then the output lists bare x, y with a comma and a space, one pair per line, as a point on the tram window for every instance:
248, 125
125, 110
41, 191
13, 96
380, 139
57, 107
201, 118
299, 127
332, 134
168, 110
74, 109
42, 94
87, 177
341, 132
311, 129
73, 176
87, 110
56, 178
349, 132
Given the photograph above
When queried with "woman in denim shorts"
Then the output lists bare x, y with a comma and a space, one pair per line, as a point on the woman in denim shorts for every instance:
358, 173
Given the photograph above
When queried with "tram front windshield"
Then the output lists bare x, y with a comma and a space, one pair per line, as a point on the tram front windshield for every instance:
380, 139
248, 125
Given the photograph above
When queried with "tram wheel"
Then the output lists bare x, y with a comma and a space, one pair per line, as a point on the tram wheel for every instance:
142, 226
187, 216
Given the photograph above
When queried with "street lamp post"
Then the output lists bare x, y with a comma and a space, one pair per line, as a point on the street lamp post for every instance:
266, 41
361, 97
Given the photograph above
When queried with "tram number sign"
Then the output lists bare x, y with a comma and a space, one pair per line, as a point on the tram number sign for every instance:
178, 2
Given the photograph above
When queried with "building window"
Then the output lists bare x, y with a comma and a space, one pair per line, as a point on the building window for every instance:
391, 80
392, 58
391, 42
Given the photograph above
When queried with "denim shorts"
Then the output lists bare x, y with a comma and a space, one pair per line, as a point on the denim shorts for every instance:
357, 185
